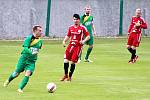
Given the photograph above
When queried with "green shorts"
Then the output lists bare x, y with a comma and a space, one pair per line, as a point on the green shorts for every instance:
25, 64
90, 41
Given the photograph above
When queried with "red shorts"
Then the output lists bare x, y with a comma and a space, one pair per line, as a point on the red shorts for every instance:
134, 39
72, 53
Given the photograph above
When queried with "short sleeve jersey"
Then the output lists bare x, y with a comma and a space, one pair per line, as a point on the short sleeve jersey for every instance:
77, 34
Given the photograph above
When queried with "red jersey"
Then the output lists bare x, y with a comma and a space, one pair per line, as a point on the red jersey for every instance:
77, 34
137, 29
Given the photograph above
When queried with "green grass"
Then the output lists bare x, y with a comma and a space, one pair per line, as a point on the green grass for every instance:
110, 77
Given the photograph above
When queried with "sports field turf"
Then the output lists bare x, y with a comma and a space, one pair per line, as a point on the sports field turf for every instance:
109, 77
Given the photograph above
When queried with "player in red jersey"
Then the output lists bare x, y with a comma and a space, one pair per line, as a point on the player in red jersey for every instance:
76, 34
134, 34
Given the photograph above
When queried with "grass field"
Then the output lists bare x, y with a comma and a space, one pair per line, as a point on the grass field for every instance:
109, 77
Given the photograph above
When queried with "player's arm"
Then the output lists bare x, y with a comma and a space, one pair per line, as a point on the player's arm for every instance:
130, 27
26, 45
65, 40
143, 24
86, 33
66, 37
93, 28
86, 39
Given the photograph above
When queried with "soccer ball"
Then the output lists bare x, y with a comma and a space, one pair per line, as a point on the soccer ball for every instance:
51, 87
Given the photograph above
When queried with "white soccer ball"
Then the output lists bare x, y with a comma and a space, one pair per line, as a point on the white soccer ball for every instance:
51, 87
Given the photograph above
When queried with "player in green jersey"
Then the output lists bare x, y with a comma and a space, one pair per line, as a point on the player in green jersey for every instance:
87, 21
28, 57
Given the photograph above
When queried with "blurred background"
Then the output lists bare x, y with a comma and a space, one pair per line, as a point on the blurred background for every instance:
111, 17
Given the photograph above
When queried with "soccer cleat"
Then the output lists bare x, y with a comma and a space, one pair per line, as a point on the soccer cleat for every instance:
6, 83
131, 61
20, 91
64, 78
69, 79
88, 60
135, 59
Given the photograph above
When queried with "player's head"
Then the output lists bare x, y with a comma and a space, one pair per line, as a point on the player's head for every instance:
37, 30
138, 12
76, 19
87, 10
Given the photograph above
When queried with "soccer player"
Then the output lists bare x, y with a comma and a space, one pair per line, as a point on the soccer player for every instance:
76, 34
134, 34
28, 57
87, 21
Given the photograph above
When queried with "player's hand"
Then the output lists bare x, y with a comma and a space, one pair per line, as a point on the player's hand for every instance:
137, 24
94, 33
64, 44
82, 42
35, 52
128, 35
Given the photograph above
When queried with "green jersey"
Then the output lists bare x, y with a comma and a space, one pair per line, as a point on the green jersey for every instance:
87, 21
31, 47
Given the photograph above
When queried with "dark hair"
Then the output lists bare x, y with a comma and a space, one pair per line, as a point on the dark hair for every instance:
76, 16
35, 27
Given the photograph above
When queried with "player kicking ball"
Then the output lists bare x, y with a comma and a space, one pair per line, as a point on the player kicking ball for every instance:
76, 34
134, 34
26, 62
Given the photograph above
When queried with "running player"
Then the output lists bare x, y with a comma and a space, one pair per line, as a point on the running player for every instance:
26, 62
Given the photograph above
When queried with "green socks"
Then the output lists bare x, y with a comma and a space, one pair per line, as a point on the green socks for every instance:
12, 76
88, 53
24, 82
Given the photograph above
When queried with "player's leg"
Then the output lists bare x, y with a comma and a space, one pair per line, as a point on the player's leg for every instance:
66, 66
74, 60
88, 53
80, 57
24, 81
29, 69
19, 69
11, 77
133, 53
89, 50
67, 57
72, 68
136, 43
129, 47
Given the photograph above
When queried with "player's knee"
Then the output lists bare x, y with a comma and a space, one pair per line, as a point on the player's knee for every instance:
73, 62
91, 46
128, 46
66, 60
133, 47
15, 74
28, 73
